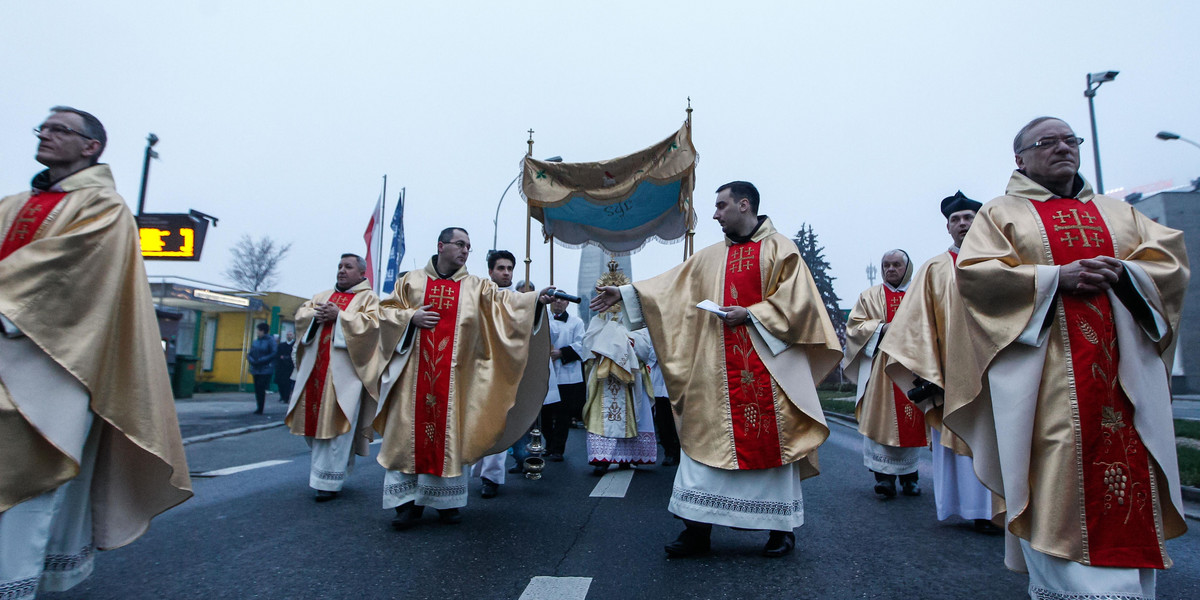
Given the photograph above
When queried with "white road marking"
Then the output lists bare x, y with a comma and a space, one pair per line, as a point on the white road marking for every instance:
557, 588
614, 484
378, 441
249, 467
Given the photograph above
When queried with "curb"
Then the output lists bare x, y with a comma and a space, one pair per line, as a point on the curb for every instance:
230, 432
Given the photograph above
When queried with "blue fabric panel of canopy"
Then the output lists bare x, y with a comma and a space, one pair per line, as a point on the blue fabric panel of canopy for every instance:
649, 201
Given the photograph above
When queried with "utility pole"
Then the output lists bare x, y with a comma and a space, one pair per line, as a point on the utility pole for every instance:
872, 271
151, 140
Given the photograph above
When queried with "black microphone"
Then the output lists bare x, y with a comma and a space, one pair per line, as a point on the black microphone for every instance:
565, 296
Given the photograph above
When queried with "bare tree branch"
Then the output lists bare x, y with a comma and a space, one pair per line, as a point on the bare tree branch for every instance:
255, 264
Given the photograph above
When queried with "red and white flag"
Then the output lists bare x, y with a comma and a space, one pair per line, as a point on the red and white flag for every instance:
374, 239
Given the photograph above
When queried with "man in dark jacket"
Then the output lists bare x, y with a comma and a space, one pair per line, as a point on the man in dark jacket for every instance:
262, 364
284, 367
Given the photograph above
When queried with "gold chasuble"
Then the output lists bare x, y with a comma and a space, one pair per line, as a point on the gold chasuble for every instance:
740, 400
327, 392
72, 280
450, 392
1083, 384
884, 412
915, 344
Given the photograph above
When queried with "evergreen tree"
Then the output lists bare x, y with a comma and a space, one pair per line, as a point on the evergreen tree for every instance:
814, 257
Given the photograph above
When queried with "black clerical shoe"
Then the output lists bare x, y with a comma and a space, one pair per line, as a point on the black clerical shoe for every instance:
987, 527
910, 488
449, 516
516, 470
490, 488
325, 496
555, 458
779, 543
600, 470
407, 515
694, 540
886, 488
670, 461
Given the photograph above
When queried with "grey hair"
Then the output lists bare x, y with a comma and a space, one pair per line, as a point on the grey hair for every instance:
897, 251
92, 127
358, 260
1019, 141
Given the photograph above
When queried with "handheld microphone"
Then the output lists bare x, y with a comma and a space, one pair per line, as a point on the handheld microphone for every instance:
565, 296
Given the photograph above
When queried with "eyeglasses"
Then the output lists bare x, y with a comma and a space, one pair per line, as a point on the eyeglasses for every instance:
461, 245
1071, 142
56, 129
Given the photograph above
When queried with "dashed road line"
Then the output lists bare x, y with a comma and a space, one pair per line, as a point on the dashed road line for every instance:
614, 484
239, 469
557, 588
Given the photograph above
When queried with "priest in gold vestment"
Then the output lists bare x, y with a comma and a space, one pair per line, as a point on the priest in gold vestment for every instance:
468, 370
748, 439
916, 347
90, 449
1060, 383
893, 428
337, 375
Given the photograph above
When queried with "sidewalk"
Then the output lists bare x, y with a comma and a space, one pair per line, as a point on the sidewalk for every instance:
1186, 407
206, 414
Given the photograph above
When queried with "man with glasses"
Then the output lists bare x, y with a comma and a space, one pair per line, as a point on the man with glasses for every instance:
334, 403
88, 433
467, 372
1059, 383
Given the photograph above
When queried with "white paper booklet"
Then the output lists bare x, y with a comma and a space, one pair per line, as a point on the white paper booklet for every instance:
711, 307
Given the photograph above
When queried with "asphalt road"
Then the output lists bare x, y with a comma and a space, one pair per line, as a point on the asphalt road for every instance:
258, 534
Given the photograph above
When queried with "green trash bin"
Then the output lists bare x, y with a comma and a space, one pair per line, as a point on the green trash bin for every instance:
183, 384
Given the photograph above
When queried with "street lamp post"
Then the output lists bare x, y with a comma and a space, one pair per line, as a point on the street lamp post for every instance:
1094, 80
496, 221
1167, 135
151, 140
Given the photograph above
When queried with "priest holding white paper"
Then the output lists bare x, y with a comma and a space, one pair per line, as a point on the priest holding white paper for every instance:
775, 340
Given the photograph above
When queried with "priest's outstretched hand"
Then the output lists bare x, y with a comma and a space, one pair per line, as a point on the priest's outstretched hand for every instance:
606, 296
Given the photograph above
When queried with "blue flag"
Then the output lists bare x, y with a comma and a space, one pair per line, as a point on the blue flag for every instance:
396, 253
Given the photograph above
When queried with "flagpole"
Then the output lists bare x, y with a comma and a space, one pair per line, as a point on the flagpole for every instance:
379, 254
528, 217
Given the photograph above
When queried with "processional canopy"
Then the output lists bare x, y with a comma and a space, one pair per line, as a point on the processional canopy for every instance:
618, 204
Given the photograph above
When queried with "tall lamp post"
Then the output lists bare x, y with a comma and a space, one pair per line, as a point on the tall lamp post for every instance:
1094, 80
1167, 135
151, 140
496, 221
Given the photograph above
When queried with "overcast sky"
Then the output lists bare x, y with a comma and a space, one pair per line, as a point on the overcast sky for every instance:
281, 118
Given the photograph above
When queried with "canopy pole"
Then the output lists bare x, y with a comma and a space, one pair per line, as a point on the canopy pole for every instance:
688, 241
551, 260
528, 217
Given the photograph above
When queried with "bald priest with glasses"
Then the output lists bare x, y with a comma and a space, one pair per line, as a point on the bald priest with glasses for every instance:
90, 448
1060, 387
468, 366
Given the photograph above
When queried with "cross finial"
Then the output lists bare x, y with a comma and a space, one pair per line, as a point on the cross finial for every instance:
531, 135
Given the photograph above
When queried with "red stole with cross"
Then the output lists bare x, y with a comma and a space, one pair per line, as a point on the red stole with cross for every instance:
29, 220
314, 388
910, 420
751, 392
1118, 488
436, 347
